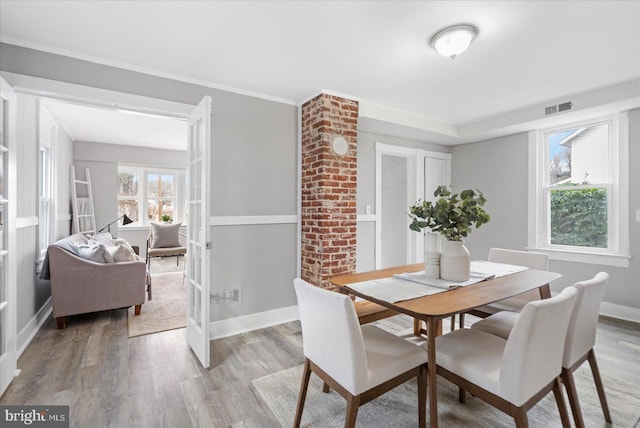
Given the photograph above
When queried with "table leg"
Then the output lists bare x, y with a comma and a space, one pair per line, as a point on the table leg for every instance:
545, 291
432, 325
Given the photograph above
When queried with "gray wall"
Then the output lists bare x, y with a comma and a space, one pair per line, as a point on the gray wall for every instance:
499, 168
254, 168
32, 293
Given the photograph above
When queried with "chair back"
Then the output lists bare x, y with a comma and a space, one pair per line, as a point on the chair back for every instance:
533, 354
331, 335
581, 335
530, 259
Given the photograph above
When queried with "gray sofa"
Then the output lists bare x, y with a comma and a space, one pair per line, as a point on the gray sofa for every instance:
80, 286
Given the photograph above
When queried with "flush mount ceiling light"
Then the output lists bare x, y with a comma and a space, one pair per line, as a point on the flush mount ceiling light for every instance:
454, 40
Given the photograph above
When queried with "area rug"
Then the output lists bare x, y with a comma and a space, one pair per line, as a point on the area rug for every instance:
399, 408
167, 310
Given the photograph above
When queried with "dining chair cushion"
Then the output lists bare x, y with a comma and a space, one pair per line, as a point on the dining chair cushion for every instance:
388, 356
358, 358
498, 324
473, 355
165, 235
519, 367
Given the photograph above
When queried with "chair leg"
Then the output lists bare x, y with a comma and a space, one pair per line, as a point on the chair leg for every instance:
562, 408
326, 388
353, 403
137, 309
422, 397
453, 322
303, 393
462, 320
599, 386
520, 418
570, 385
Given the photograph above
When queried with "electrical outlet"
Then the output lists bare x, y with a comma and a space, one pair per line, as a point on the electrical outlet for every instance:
367, 210
229, 295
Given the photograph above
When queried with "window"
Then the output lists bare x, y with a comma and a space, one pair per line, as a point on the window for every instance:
47, 138
44, 211
148, 194
579, 191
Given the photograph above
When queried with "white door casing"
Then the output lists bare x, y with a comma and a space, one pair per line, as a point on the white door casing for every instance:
198, 232
425, 171
8, 199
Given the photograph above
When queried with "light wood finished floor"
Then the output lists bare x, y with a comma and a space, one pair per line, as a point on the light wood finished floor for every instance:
110, 380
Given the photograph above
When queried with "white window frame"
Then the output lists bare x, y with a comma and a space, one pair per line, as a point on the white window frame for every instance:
617, 253
179, 196
47, 140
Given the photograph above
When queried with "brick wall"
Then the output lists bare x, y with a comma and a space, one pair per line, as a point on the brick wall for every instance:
328, 189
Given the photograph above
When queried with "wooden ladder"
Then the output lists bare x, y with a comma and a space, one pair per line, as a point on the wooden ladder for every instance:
84, 220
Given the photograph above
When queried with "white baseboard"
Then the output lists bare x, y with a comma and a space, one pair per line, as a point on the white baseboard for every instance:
29, 331
243, 324
626, 313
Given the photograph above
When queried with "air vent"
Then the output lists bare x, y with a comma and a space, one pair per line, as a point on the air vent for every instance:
565, 106
558, 108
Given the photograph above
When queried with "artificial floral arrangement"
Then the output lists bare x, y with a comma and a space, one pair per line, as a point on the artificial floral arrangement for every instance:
451, 215
165, 218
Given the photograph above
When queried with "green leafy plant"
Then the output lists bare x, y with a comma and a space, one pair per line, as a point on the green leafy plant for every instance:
451, 215
165, 217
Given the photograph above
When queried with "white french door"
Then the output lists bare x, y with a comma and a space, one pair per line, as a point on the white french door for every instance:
8, 346
198, 233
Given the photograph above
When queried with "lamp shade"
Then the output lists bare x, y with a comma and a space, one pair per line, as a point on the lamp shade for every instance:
454, 40
126, 220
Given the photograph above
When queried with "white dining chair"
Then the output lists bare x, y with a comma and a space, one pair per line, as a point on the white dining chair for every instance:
512, 374
530, 259
581, 338
359, 362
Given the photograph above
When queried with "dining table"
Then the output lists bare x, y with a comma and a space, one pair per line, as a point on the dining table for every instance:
433, 308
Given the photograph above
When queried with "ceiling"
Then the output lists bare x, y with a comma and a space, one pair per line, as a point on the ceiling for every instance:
526, 53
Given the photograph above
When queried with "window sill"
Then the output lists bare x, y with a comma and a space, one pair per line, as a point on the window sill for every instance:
608, 259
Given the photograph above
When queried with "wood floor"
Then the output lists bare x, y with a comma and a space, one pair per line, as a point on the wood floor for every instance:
110, 380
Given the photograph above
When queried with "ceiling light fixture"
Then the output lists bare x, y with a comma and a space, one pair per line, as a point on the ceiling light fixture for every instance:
452, 41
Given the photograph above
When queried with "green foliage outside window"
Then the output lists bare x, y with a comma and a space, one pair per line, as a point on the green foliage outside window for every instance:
579, 217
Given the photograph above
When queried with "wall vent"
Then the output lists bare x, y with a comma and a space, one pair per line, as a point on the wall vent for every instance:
558, 108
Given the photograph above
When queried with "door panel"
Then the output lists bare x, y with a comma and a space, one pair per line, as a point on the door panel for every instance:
198, 234
8, 198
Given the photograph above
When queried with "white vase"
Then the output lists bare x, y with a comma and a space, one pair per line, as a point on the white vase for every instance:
431, 256
455, 261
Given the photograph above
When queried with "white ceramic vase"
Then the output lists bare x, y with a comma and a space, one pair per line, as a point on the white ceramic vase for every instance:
431, 256
455, 261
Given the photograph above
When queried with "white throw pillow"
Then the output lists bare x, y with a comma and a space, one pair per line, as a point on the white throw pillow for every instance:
125, 243
120, 253
94, 252
102, 238
165, 235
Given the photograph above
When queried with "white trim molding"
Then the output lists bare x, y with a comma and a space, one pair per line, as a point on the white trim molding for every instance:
22, 222
249, 220
26, 335
246, 323
621, 312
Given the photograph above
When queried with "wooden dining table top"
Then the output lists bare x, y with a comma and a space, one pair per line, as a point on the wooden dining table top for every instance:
455, 301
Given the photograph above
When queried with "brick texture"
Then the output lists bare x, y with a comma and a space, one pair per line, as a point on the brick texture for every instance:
328, 189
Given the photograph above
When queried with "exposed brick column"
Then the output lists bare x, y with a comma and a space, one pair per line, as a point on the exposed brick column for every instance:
328, 189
